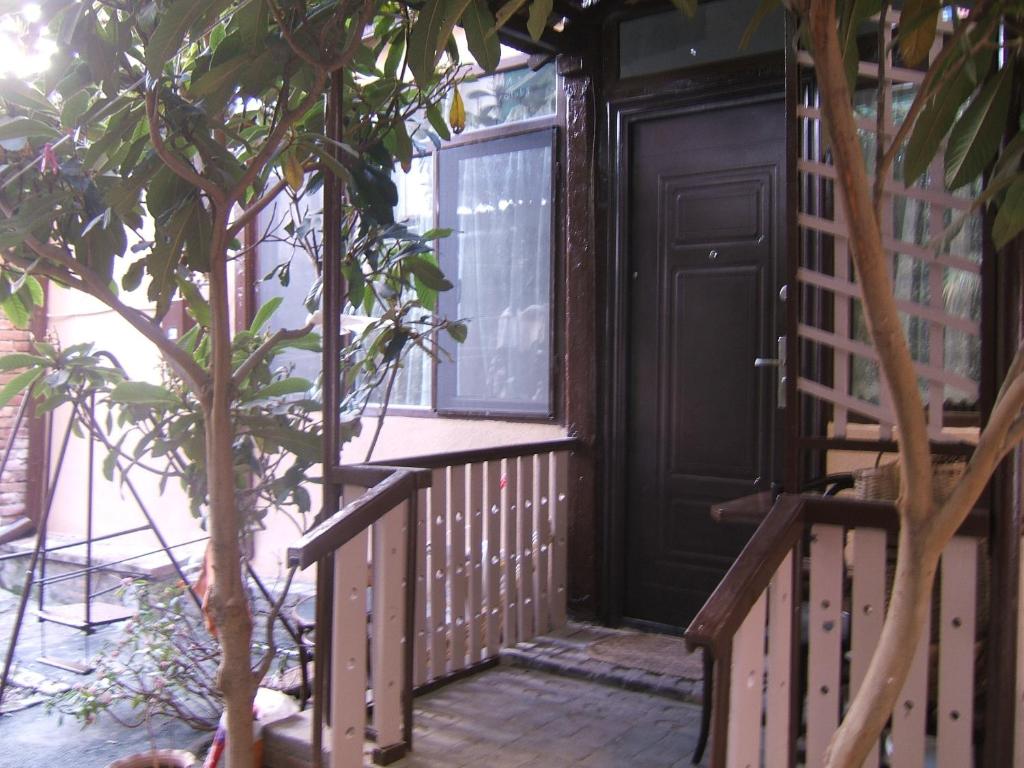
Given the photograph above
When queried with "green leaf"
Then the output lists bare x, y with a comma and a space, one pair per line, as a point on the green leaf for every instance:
938, 116
143, 393
19, 384
27, 128
540, 10
16, 311
174, 23
1010, 216
21, 360
689, 7
195, 302
458, 331
431, 276
265, 312
437, 122
291, 386
918, 20
221, 77
21, 94
481, 37
253, 19
975, 137
423, 41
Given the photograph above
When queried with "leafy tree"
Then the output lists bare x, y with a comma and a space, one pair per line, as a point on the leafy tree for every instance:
966, 102
159, 132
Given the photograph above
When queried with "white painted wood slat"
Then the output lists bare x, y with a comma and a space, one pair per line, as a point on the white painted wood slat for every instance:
457, 564
957, 616
421, 670
778, 749
542, 541
559, 500
348, 654
746, 689
909, 714
492, 506
824, 639
475, 520
437, 574
524, 541
388, 624
510, 556
867, 605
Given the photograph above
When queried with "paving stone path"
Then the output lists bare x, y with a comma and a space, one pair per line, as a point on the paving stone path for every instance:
511, 718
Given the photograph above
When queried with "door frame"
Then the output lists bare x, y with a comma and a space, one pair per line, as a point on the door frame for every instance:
621, 115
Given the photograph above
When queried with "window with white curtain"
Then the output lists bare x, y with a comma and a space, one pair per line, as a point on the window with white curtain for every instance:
494, 190
496, 197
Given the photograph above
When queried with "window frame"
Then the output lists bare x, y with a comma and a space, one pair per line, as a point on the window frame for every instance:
528, 134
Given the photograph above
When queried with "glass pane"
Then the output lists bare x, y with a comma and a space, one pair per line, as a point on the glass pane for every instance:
671, 40
497, 197
293, 274
506, 97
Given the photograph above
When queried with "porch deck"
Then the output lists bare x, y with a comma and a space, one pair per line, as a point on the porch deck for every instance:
582, 695
510, 717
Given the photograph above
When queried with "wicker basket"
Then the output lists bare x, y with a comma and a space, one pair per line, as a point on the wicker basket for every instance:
882, 481
878, 483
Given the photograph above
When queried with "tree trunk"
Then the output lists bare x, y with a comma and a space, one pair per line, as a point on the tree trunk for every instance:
920, 544
228, 601
909, 605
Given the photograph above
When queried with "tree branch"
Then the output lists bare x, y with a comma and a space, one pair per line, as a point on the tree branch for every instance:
263, 349
172, 161
254, 208
275, 610
872, 263
182, 363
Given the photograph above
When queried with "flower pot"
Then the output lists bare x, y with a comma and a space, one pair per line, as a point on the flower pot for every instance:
158, 758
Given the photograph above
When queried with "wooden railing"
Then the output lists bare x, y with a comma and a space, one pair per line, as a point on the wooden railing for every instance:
481, 535
766, 638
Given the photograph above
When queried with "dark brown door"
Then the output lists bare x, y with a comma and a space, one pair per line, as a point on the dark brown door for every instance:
706, 191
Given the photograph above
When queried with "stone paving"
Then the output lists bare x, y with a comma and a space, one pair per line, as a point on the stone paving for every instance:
512, 718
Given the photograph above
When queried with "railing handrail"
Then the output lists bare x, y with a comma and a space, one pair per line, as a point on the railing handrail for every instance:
476, 455
356, 516
718, 619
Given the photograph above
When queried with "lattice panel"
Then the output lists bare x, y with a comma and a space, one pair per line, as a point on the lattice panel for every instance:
937, 291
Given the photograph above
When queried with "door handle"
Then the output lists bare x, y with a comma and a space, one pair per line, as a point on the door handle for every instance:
778, 363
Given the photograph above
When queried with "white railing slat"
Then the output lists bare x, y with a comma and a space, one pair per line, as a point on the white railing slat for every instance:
436, 574
421, 670
510, 556
777, 747
348, 654
868, 607
524, 500
388, 624
492, 507
474, 514
824, 639
457, 563
542, 542
957, 617
746, 689
909, 714
559, 501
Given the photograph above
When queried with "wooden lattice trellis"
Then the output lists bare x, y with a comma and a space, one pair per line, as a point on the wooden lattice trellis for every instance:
912, 218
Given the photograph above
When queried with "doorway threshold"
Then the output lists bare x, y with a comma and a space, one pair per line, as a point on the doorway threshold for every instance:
623, 658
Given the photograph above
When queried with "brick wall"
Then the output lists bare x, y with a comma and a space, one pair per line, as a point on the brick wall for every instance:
14, 481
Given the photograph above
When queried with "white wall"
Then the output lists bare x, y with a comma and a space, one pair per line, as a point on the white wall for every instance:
74, 318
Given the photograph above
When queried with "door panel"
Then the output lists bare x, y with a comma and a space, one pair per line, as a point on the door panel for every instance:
705, 193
